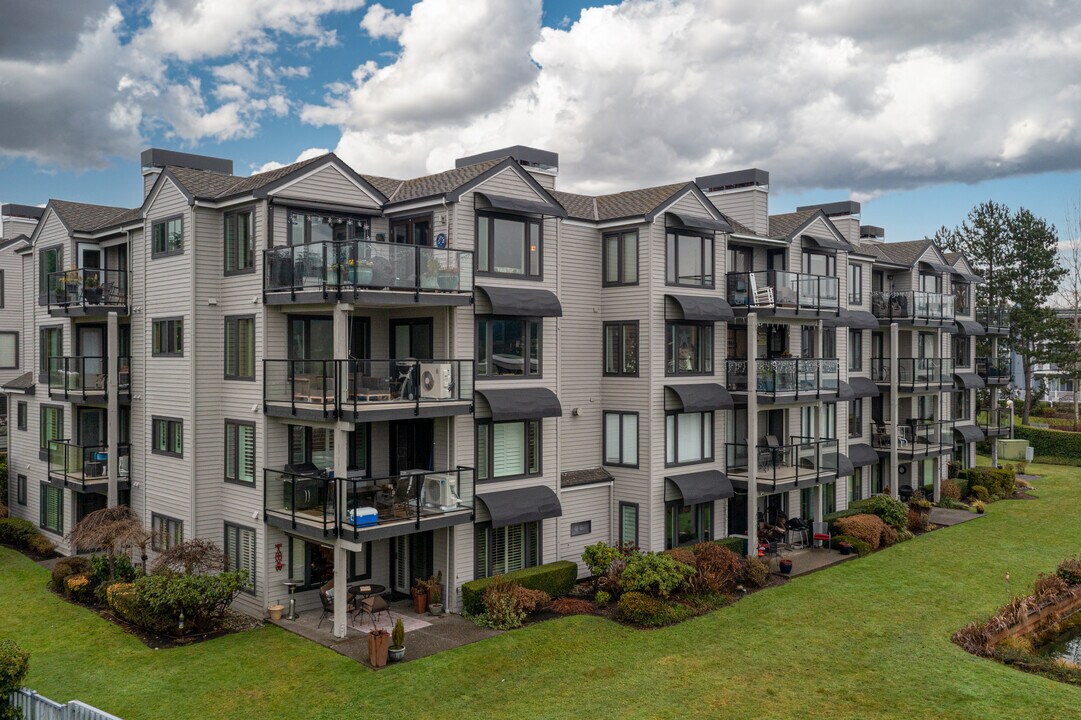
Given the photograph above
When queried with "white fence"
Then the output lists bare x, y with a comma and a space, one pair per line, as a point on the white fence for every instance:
39, 707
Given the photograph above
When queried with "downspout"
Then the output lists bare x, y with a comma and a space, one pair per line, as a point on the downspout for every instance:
559, 378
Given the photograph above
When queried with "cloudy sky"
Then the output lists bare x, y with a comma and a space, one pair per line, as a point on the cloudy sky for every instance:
919, 108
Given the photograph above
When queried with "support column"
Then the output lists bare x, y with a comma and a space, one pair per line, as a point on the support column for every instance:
112, 429
819, 419
342, 316
892, 474
752, 433
992, 405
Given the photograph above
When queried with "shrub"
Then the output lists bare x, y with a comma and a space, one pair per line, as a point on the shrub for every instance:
99, 569
65, 567
755, 572
531, 600
571, 606
40, 545
904, 535
78, 587
892, 512
717, 569
126, 602
4, 512
953, 504
917, 521
502, 607
599, 557
557, 579
16, 532
647, 611
953, 469
1058, 443
735, 544
201, 599
979, 507
1070, 571
1049, 587
980, 492
190, 557
860, 547
869, 528
655, 574
14, 664
998, 482
603, 598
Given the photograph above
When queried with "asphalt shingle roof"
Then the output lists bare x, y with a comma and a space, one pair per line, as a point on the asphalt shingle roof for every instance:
901, 253
81, 217
573, 478
385, 185
582, 207
211, 185
440, 183
633, 203
23, 382
785, 224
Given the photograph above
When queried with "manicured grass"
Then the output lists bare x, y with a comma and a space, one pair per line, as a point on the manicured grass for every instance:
865, 639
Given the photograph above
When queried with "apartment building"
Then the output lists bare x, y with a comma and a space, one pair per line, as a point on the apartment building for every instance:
17, 223
342, 376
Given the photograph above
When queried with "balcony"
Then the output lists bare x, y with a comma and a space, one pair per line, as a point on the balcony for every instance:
367, 272
87, 291
786, 379
995, 319
781, 293
367, 390
914, 374
994, 422
915, 438
86, 379
368, 508
85, 468
800, 463
994, 370
912, 307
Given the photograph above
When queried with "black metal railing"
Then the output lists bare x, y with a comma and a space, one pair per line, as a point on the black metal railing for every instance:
912, 305
302, 384
83, 287
782, 289
915, 437
343, 266
80, 465
916, 373
995, 319
308, 498
786, 376
994, 370
405, 498
802, 460
86, 376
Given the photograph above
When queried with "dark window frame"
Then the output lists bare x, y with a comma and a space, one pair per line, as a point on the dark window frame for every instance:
830, 260
16, 334
352, 461
855, 285
43, 445
165, 251
490, 217
708, 240
171, 423
43, 276
622, 325
484, 355
410, 222
712, 445
705, 529
536, 554
155, 538
309, 213
42, 519
855, 360
581, 527
252, 587
855, 412
3, 289
170, 323
620, 236
671, 327
20, 490
234, 426
233, 322
235, 253
305, 583
637, 521
604, 438
43, 359
489, 470
22, 415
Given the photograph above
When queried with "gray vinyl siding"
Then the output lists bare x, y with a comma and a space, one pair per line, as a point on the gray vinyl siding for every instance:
328, 185
591, 503
749, 207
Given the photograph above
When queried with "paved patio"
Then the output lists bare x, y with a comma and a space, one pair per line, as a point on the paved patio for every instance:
424, 634
946, 517
808, 560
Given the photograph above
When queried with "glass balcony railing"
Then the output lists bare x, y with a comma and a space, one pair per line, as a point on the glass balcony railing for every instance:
86, 376
912, 305
353, 265
801, 460
85, 465
995, 319
88, 287
301, 384
781, 289
914, 373
786, 376
915, 437
994, 422
994, 370
405, 498
306, 498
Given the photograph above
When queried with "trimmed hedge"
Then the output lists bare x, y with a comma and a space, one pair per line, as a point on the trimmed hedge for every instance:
16, 532
1059, 443
647, 611
557, 579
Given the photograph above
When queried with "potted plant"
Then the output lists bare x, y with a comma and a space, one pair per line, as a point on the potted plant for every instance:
275, 611
397, 642
845, 547
92, 290
378, 646
334, 274
364, 273
435, 594
786, 566
419, 592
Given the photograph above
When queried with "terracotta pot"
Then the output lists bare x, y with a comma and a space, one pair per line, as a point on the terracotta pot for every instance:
420, 602
275, 611
378, 647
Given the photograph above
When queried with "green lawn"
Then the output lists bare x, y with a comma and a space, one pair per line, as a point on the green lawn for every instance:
865, 639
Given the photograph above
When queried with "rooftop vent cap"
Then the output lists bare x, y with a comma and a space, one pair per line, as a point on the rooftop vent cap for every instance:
525, 156
834, 209
752, 177
158, 157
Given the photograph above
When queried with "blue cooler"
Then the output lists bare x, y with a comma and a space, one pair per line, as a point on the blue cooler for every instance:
363, 517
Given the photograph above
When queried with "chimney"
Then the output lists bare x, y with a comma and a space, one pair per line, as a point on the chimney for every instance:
845, 215
18, 220
872, 234
154, 159
543, 165
742, 195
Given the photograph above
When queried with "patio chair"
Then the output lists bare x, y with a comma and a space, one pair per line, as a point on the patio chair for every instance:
328, 604
762, 297
822, 533
372, 606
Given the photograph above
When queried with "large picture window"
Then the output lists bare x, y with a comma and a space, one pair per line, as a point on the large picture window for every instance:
688, 438
52, 509
304, 227
240, 452
621, 258
689, 259
506, 549
687, 524
689, 349
240, 552
167, 237
240, 348
621, 348
52, 425
315, 445
508, 449
820, 264
621, 439
508, 245
9, 350
508, 346
52, 345
239, 242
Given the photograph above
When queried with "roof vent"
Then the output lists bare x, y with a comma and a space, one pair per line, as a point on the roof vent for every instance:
528, 157
834, 209
157, 157
872, 232
31, 212
752, 177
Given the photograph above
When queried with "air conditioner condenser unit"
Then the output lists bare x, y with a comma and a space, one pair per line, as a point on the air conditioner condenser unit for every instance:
436, 381
440, 492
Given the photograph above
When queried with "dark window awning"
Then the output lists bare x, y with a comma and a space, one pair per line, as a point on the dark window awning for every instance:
697, 222
970, 433
704, 308
844, 391
966, 277
828, 243
936, 267
511, 507
854, 319
702, 486
515, 205
702, 397
528, 403
970, 328
522, 302
844, 465
968, 381
864, 387
862, 454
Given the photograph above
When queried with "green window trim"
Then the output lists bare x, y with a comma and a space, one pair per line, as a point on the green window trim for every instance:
239, 242
52, 509
239, 347
167, 436
240, 452
241, 552
167, 337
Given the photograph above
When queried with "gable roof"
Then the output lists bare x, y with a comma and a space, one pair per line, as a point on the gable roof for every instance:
905, 253
443, 182
385, 185
82, 217
634, 203
581, 207
786, 225
12, 241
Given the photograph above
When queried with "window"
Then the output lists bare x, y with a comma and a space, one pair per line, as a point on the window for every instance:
240, 552
829, 421
3, 285
855, 486
807, 505
819, 264
168, 437
303, 227
52, 425
311, 565
9, 350
878, 478
239, 243
961, 405
52, 345
167, 237
508, 449
52, 509
688, 438
240, 452
508, 346
855, 284
167, 532
689, 259
961, 354
20, 415
50, 260
621, 258
581, 528
829, 498
508, 245
960, 298
687, 524
689, 349
829, 342
807, 341
316, 445
505, 549
855, 350
855, 417
168, 337
628, 524
930, 282
621, 348
20, 489
621, 439
240, 348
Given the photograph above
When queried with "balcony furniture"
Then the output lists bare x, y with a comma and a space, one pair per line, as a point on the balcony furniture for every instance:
372, 606
798, 528
327, 600
822, 533
763, 297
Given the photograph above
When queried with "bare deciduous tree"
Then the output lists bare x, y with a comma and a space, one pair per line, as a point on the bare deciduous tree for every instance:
116, 530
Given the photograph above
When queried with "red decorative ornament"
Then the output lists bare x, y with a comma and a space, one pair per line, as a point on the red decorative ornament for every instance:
278, 564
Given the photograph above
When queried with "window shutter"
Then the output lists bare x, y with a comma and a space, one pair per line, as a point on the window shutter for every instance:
247, 556
611, 438
515, 547
231, 223
481, 540
246, 350
509, 451
533, 545
231, 451
178, 437
628, 527
482, 451
247, 453
499, 551
230, 347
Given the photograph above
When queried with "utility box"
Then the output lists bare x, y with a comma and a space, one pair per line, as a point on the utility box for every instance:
1014, 450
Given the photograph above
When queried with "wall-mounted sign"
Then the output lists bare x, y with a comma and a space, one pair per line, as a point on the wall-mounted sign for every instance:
441, 240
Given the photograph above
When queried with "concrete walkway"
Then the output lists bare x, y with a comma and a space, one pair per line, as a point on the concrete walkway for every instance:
948, 516
807, 560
